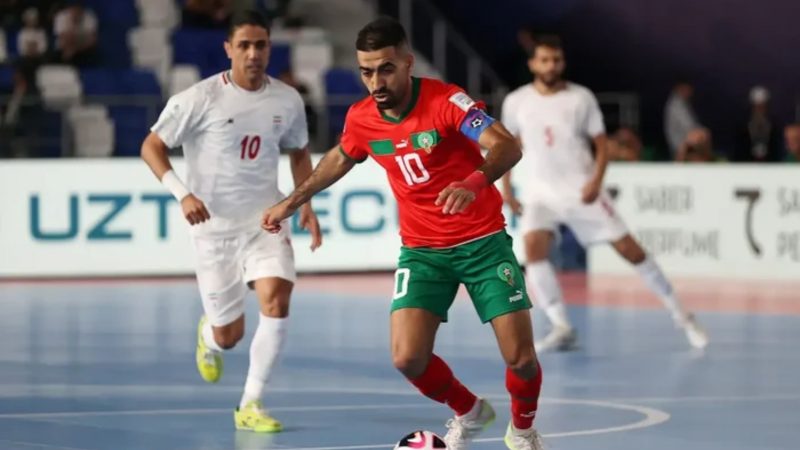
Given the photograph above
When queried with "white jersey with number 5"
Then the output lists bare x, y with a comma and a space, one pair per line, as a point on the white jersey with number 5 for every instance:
231, 140
556, 132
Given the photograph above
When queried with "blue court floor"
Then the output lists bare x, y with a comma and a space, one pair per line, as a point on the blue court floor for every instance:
110, 366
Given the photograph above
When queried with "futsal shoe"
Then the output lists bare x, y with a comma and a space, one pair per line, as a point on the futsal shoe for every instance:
253, 417
462, 430
523, 439
559, 339
209, 362
697, 336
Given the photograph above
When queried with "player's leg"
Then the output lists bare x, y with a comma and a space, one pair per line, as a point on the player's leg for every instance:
514, 334
269, 269
425, 287
599, 223
539, 221
658, 283
497, 288
222, 291
413, 331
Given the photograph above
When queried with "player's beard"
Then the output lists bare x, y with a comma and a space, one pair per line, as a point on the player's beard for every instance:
550, 80
389, 102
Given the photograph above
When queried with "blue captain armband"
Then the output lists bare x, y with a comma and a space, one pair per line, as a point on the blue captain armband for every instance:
475, 122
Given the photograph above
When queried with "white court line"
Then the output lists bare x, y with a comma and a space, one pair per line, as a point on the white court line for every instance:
708, 398
652, 417
193, 411
30, 444
498, 398
17, 390
100, 390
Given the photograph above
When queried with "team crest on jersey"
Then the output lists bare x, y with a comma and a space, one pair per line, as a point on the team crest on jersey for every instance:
506, 273
277, 122
425, 140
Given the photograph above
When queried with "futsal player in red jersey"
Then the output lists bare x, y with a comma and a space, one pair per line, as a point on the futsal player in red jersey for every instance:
427, 135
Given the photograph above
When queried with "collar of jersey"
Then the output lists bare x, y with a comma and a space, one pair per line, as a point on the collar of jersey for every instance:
229, 74
415, 82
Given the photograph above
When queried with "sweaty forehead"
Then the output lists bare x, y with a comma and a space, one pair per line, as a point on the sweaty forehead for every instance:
374, 59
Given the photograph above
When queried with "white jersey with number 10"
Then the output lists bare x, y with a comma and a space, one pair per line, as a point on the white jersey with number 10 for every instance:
231, 140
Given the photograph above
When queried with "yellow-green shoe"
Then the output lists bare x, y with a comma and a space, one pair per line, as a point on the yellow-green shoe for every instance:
253, 417
209, 362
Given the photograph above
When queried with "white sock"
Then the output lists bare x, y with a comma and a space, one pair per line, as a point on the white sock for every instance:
655, 280
264, 350
546, 291
208, 337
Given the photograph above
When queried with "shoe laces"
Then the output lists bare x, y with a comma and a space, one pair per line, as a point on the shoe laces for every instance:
529, 440
457, 432
208, 357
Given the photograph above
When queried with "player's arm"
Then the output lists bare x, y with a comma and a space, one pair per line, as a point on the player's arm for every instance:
504, 153
592, 189
508, 194
509, 120
596, 131
300, 163
600, 143
154, 152
333, 166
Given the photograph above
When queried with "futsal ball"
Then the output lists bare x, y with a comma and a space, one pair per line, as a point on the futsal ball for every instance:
420, 440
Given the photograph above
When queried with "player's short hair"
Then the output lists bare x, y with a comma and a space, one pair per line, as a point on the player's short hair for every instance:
248, 17
546, 40
381, 33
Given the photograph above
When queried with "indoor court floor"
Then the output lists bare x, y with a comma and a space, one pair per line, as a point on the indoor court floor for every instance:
109, 365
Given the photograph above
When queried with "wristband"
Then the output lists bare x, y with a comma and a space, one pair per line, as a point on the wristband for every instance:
476, 181
174, 185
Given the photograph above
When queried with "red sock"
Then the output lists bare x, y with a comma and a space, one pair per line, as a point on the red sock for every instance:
439, 384
524, 397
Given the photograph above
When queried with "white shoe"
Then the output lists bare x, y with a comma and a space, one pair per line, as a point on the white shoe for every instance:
523, 439
462, 430
697, 336
560, 339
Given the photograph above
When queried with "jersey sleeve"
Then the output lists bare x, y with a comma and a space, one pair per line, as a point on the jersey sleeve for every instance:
296, 136
508, 116
463, 114
351, 144
593, 122
178, 119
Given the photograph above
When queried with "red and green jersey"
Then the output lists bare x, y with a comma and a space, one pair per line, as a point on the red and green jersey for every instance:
432, 144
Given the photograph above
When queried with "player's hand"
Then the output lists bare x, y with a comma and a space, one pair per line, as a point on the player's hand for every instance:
591, 191
455, 198
308, 221
194, 210
273, 216
515, 205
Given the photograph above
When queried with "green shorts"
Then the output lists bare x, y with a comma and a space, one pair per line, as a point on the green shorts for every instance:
429, 278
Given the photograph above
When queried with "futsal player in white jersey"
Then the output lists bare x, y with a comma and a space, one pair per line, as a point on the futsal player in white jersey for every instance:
558, 122
232, 127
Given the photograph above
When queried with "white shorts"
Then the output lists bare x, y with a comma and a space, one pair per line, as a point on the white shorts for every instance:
593, 223
225, 266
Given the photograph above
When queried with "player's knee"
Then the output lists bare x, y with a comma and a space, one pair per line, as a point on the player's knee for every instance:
412, 366
276, 310
275, 307
227, 339
629, 249
537, 247
523, 364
